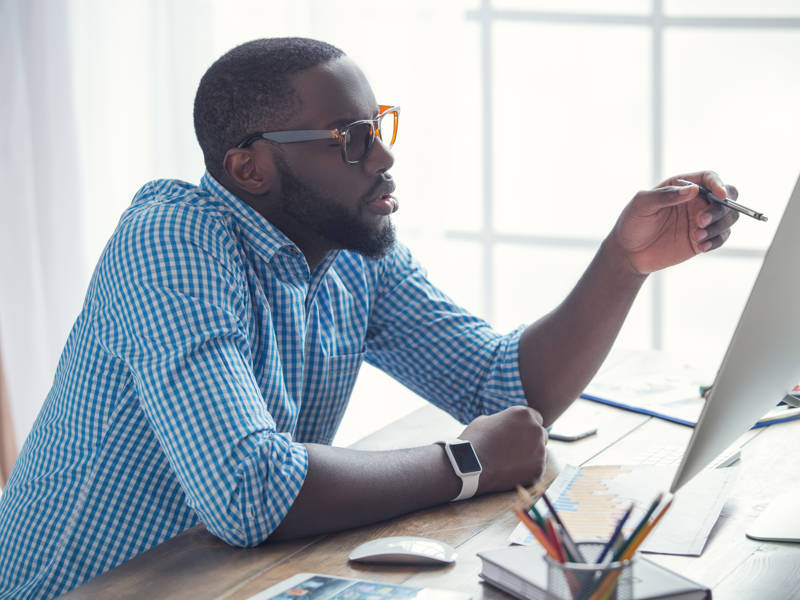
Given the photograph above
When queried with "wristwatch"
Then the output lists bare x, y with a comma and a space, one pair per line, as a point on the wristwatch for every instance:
465, 464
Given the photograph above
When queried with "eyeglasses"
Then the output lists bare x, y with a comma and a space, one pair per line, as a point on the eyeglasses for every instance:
355, 139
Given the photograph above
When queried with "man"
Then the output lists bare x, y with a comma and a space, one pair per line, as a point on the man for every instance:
225, 324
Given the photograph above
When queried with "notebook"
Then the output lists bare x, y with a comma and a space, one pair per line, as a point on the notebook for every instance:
521, 572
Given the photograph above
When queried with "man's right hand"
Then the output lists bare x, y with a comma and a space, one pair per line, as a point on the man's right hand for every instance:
511, 447
346, 488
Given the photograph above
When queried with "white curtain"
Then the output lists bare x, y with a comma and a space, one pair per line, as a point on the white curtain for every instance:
42, 271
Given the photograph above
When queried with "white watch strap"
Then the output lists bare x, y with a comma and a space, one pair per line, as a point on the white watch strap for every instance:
469, 485
469, 481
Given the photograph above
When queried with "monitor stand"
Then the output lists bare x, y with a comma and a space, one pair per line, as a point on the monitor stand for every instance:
780, 521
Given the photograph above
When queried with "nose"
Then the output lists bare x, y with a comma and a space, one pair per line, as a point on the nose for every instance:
379, 159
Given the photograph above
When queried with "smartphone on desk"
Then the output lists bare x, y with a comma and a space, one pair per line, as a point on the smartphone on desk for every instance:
570, 432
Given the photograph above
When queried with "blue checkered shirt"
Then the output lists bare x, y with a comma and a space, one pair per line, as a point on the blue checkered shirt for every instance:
205, 355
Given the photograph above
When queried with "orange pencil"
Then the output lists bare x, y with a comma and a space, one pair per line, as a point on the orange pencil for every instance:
551, 531
534, 529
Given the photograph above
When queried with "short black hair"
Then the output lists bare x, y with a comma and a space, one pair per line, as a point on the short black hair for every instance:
247, 90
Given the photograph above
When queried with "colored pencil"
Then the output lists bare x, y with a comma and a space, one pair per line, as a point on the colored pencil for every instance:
606, 588
526, 520
551, 530
617, 531
569, 543
528, 501
639, 527
646, 531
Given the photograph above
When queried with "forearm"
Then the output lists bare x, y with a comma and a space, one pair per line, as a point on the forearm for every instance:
561, 352
347, 488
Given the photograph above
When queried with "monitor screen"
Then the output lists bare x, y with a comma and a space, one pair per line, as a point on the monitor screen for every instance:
762, 363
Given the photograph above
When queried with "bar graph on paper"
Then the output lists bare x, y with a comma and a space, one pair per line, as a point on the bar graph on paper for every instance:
590, 501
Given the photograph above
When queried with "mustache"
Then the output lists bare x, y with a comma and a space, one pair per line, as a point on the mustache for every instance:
380, 188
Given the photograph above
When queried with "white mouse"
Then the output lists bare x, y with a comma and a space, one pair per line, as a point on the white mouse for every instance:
405, 550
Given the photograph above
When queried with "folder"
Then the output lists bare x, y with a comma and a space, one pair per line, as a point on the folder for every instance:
661, 385
687, 417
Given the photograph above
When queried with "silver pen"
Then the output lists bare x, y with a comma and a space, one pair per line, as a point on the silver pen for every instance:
725, 202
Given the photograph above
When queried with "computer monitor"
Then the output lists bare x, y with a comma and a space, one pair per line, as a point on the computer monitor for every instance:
761, 365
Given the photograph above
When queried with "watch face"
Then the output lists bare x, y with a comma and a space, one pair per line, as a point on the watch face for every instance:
465, 457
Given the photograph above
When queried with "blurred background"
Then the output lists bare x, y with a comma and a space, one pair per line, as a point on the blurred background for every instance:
526, 126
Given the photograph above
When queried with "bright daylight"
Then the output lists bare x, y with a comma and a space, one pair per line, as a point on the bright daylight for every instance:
355, 300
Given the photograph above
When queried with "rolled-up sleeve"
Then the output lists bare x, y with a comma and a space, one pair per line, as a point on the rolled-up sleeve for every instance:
171, 304
422, 338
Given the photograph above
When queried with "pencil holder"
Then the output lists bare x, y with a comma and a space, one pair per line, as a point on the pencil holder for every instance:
585, 581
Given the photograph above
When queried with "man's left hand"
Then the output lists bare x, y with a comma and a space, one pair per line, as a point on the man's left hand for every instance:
673, 222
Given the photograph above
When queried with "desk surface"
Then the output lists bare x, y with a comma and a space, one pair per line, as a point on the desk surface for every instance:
198, 565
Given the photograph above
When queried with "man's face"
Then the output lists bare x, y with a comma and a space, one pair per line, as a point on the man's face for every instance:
320, 202
346, 225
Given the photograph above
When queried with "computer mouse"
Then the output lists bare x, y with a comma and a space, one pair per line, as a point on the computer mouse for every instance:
404, 550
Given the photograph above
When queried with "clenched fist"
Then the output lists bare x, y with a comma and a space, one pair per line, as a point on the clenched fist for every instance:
511, 447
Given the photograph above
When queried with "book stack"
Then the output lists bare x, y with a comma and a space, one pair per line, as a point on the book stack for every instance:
521, 571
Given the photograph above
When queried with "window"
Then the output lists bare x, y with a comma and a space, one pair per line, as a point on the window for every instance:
527, 125
586, 107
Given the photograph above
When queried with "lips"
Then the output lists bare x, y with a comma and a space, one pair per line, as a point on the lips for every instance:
383, 203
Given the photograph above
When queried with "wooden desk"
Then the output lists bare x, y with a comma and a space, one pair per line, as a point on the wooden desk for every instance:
197, 565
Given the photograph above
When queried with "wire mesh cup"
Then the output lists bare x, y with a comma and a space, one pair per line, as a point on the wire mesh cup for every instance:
582, 581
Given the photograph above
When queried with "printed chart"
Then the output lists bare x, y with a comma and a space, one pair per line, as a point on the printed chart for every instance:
590, 501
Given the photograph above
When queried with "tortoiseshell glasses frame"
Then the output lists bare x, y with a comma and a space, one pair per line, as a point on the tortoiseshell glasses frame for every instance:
355, 139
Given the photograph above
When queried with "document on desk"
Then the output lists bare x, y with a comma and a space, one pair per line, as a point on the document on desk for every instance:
315, 586
661, 385
590, 501
651, 382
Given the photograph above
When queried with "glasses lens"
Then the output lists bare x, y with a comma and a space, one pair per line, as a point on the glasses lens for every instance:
357, 141
387, 127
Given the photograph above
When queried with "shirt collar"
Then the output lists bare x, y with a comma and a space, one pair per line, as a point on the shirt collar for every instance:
263, 236
266, 239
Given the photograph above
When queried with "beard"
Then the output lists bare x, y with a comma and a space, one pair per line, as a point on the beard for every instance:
344, 228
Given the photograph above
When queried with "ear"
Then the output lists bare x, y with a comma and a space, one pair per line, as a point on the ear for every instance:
252, 169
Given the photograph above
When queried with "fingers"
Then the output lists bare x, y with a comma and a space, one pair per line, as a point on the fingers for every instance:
714, 183
715, 242
511, 445
715, 224
715, 213
708, 179
651, 201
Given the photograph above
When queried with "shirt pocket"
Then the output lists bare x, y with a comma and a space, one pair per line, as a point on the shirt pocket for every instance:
328, 401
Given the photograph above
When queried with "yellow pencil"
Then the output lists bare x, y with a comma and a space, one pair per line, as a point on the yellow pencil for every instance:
645, 532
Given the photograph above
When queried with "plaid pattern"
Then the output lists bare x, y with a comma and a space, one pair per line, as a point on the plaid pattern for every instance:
206, 353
